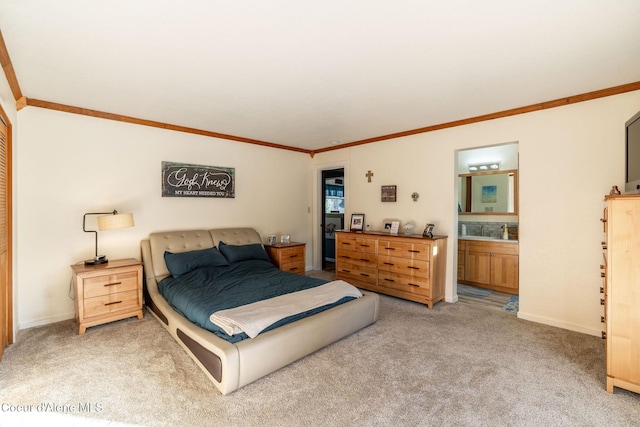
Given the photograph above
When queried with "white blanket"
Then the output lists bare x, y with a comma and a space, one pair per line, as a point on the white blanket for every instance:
255, 317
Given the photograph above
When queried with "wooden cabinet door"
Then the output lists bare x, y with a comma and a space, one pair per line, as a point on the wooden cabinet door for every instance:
504, 270
478, 267
6, 298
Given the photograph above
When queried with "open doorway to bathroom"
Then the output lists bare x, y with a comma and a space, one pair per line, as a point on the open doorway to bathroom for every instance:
332, 214
488, 227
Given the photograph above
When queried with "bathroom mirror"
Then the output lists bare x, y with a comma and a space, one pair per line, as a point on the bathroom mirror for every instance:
488, 193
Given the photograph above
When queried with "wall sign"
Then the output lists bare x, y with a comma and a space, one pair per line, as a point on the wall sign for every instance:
183, 180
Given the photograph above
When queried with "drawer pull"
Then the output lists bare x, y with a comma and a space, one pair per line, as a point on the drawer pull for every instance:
389, 280
413, 268
604, 335
601, 290
113, 284
344, 270
601, 301
345, 256
346, 243
413, 284
390, 249
293, 256
414, 251
364, 274
602, 274
364, 259
389, 263
111, 303
602, 319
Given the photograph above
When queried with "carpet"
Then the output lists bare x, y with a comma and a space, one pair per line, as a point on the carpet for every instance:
512, 305
472, 291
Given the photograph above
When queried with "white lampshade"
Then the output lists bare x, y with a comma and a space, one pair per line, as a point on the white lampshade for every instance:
111, 222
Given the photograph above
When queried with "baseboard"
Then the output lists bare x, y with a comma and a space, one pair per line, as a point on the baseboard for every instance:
46, 321
559, 324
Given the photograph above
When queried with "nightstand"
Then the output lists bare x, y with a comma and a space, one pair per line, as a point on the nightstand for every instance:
107, 292
288, 256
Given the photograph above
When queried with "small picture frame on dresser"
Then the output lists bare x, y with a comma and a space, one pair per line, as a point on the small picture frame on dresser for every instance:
357, 222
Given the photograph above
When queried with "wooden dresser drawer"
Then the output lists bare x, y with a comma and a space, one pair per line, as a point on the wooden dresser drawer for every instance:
111, 303
364, 274
404, 249
403, 282
108, 284
357, 258
410, 267
358, 244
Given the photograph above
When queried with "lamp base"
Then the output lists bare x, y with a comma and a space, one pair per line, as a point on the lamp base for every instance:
100, 259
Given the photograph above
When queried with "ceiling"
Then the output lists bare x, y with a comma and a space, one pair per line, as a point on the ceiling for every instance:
304, 74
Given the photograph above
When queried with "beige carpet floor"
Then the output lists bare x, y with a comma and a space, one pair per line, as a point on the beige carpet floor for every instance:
456, 365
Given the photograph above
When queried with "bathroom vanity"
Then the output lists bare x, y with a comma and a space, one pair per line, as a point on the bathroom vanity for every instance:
489, 263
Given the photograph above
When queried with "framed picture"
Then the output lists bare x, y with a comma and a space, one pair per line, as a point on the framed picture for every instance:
388, 193
387, 224
357, 222
428, 230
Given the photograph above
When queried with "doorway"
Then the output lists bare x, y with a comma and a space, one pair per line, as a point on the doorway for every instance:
332, 214
487, 222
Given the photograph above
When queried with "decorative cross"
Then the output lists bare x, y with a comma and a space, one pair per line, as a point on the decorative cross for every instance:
369, 174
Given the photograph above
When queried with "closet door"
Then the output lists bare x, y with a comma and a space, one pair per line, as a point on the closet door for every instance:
6, 313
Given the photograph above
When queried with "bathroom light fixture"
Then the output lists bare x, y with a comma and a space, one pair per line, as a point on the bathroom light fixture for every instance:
484, 167
107, 221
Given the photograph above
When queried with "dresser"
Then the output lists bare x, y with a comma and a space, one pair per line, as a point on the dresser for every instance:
288, 257
405, 266
107, 292
621, 291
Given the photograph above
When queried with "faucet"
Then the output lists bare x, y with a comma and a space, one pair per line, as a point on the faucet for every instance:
482, 230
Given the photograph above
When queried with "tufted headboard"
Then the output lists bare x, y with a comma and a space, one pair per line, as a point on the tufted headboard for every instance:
191, 240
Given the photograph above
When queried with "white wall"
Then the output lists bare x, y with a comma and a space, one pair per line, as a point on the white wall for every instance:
69, 164
569, 158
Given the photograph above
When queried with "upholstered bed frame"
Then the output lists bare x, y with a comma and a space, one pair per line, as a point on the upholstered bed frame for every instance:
231, 366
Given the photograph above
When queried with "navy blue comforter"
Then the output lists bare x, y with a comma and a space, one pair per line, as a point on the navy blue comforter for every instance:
202, 292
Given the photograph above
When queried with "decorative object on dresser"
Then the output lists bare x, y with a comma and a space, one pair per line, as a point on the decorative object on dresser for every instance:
491, 264
621, 291
410, 267
288, 256
357, 222
106, 221
428, 230
107, 292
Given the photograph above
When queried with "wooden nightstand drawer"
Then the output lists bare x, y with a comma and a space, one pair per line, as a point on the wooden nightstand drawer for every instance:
108, 284
111, 303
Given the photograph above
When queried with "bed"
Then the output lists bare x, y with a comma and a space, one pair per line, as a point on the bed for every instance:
231, 365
